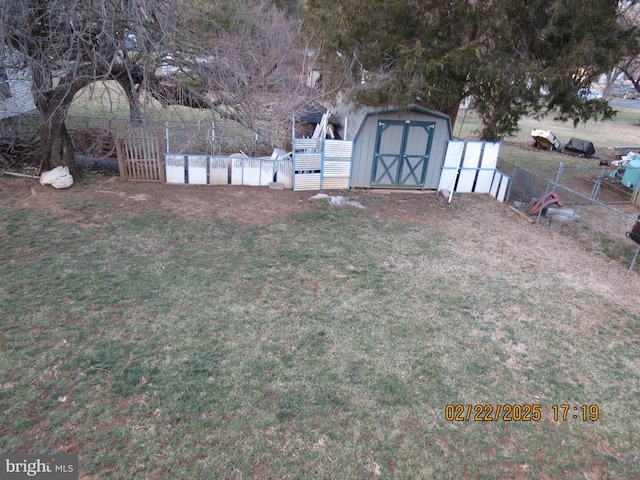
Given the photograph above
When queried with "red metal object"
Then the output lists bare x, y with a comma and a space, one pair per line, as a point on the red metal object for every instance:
543, 202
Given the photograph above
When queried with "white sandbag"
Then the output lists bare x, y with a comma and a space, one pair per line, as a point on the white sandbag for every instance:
64, 181
47, 178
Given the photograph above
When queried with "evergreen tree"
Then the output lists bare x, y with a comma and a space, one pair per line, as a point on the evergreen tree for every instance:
513, 57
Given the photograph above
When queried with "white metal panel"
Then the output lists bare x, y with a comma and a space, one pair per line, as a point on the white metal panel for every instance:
338, 149
335, 183
490, 155
219, 170
308, 144
502, 192
197, 168
495, 184
483, 182
251, 172
307, 181
174, 168
487, 167
308, 161
451, 164
469, 167
336, 169
499, 186
284, 174
237, 164
266, 172
21, 99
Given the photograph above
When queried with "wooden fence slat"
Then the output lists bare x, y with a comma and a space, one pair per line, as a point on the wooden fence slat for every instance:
141, 155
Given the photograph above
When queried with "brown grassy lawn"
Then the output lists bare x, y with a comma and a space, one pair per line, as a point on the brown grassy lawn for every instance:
168, 332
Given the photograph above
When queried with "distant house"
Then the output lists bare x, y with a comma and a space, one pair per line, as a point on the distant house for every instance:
15, 87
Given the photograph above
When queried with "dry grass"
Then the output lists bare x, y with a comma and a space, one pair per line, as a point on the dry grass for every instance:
325, 343
622, 130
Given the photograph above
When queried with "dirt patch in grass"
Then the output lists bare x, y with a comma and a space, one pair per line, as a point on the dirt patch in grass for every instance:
245, 204
519, 242
295, 336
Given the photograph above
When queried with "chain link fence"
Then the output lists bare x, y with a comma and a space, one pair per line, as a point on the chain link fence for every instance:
594, 210
94, 138
198, 137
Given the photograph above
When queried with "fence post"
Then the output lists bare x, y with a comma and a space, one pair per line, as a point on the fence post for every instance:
511, 183
634, 196
213, 137
596, 187
633, 262
167, 147
558, 175
161, 151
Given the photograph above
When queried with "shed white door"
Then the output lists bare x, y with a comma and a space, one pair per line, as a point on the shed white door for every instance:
402, 153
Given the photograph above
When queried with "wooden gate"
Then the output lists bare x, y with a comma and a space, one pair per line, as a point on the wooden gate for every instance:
140, 155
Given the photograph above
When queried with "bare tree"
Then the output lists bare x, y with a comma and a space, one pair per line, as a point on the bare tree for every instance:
251, 62
629, 67
236, 58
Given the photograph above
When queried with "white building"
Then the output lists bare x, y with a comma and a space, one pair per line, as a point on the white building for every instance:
15, 89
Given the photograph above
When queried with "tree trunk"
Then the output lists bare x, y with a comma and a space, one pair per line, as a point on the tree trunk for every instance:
57, 146
132, 93
452, 112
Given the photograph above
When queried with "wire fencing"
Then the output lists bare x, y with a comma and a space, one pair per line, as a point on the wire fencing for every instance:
201, 137
592, 209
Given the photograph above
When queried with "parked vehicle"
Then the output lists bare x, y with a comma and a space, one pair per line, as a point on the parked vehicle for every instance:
590, 94
623, 91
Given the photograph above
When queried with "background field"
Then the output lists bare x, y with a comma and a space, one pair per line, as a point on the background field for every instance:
238, 332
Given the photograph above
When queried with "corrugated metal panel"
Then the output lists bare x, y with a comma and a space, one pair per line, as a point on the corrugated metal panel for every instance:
197, 169
284, 173
174, 168
219, 170
267, 168
308, 181
338, 149
336, 169
236, 170
329, 183
251, 172
308, 161
307, 144
311, 167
